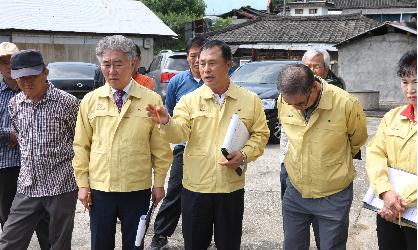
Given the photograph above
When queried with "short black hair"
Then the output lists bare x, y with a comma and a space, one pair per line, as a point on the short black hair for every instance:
295, 79
137, 50
226, 50
407, 65
196, 42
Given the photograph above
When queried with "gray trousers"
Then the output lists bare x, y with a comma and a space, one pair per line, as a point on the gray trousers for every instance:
331, 213
25, 214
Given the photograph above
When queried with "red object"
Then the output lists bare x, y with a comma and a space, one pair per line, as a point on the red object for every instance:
409, 112
166, 76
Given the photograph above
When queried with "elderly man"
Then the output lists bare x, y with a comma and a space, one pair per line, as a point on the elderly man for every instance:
43, 119
213, 193
318, 60
317, 116
10, 160
118, 149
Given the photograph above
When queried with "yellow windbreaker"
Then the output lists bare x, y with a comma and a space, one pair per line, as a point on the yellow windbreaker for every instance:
200, 121
394, 145
319, 160
116, 152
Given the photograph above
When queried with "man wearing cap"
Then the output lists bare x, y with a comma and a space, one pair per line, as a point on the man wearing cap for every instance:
43, 119
9, 150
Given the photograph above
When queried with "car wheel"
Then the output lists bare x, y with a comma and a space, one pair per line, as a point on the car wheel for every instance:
275, 130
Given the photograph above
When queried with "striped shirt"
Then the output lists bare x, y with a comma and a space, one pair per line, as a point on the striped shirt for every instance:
45, 132
9, 156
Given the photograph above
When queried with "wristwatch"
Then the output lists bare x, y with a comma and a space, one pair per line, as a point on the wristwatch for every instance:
244, 158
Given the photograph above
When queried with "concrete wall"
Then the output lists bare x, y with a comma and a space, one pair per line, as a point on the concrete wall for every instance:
58, 47
320, 11
370, 64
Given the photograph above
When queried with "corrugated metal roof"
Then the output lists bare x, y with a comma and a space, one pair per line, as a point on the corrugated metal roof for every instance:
86, 16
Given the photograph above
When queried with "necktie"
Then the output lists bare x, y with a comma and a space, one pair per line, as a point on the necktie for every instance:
119, 99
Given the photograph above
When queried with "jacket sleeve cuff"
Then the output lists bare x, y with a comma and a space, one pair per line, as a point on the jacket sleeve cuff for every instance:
409, 194
83, 182
159, 181
383, 187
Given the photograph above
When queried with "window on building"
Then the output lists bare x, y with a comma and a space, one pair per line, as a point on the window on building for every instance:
313, 11
298, 11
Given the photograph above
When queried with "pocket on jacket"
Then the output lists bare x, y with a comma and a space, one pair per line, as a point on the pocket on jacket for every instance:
96, 165
196, 170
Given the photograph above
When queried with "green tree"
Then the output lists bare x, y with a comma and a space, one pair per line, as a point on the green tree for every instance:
175, 13
221, 23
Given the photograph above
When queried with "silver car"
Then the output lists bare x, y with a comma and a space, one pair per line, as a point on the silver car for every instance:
164, 66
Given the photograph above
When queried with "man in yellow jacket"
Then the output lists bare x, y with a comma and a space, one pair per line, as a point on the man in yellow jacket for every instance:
326, 127
213, 193
118, 149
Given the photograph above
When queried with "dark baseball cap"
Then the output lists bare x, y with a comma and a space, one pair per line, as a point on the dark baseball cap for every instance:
26, 63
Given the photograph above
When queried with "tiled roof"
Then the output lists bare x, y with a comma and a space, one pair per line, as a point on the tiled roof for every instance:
245, 11
373, 4
314, 29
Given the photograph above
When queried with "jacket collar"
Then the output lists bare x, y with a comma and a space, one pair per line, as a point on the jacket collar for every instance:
106, 90
326, 98
233, 91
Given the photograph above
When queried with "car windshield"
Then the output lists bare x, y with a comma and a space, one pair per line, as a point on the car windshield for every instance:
258, 73
71, 71
178, 63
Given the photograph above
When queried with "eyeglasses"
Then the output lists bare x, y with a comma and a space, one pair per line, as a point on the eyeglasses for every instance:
304, 104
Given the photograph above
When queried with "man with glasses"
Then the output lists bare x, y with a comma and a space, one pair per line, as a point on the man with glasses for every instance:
325, 127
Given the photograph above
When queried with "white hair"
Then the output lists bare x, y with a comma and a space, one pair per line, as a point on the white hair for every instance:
311, 53
116, 42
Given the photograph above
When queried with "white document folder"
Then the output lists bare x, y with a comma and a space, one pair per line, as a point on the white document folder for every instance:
236, 137
399, 179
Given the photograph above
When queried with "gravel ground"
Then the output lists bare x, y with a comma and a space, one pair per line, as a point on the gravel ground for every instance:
262, 226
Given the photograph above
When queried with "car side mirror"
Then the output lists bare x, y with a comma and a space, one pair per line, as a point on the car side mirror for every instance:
142, 70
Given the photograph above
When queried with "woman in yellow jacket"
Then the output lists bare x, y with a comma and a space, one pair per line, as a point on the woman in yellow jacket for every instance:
394, 145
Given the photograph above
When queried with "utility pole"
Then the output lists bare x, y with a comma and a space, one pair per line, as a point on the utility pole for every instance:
284, 7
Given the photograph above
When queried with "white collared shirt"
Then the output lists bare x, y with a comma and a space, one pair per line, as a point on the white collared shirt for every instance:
126, 90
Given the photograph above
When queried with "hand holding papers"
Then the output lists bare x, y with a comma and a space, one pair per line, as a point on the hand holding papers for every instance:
143, 225
399, 179
236, 137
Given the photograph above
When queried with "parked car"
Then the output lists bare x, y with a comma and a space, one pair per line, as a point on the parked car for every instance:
76, 78
261, 78
164, 66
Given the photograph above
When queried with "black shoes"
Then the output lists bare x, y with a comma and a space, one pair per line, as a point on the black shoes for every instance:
159, 242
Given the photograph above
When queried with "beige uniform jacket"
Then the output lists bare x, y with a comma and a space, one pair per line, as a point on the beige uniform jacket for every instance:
200, 121
116, 152
320, 153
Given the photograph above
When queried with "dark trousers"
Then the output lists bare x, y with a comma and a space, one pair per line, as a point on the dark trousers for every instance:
170, 209
27, 213
283, 177
207, 213
107, 207
392, 237
8, 185
331, 213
